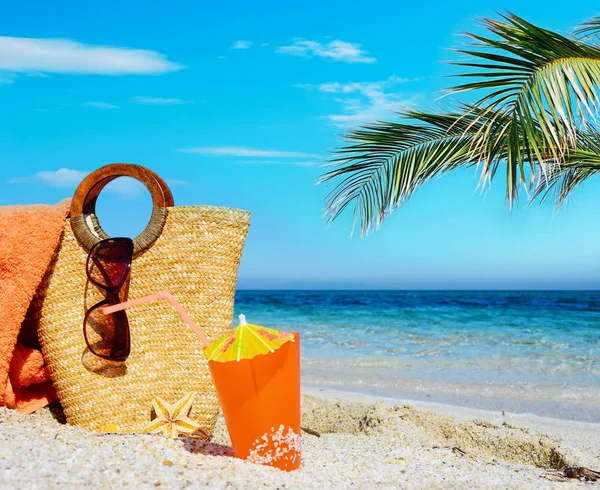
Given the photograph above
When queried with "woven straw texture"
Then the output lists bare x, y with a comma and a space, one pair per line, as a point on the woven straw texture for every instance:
196, 258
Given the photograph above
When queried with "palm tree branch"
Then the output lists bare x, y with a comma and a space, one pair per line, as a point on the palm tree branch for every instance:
387, 162
540, 79
580, 163
589, 28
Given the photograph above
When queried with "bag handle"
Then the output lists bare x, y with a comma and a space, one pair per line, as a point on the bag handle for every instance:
84, 222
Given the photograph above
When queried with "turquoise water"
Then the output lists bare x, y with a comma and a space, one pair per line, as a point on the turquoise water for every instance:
518, 351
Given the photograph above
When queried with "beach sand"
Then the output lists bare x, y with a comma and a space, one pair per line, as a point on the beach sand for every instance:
364, 443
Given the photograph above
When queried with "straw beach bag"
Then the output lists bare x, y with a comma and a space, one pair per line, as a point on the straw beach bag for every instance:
192, 252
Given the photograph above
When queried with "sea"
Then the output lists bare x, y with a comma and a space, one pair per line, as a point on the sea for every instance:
534, 352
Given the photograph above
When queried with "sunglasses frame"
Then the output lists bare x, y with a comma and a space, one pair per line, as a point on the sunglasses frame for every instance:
112, 292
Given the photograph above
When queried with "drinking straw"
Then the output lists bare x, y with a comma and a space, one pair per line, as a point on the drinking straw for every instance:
174, 303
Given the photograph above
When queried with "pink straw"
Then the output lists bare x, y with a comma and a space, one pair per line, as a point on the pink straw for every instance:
174, 303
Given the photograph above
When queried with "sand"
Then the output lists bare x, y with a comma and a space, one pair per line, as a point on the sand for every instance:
365, 443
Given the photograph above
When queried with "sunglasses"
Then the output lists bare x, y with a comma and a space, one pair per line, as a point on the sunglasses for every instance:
108, 265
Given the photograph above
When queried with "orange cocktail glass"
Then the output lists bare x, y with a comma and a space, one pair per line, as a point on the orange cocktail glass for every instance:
260, 399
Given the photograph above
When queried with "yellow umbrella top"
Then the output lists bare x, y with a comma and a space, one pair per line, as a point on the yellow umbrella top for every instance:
246, 341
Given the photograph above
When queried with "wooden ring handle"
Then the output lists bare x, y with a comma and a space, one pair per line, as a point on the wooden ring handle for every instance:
84, 221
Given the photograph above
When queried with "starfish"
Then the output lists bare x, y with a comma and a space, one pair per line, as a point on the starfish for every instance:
172, 420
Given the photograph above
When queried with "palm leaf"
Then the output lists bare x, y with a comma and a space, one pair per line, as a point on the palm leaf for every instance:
541, 83
383, 164
580, 163
589, 28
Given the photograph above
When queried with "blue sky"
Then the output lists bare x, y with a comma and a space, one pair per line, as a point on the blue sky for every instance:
238, 103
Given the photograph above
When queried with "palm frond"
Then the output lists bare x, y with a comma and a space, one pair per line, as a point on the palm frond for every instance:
383, 164
589, 28
546, 83
580, 163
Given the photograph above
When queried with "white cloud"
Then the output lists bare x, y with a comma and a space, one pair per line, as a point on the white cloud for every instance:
63, 177
8, 78
37, 74
306, 163
335, 50
67, 178
67, 56
177, 182
241, 44
363, 102
143, 100
100, 105
361, 87
126, 187
238, 151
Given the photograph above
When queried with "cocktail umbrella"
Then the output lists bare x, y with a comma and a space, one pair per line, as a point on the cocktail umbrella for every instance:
246, 341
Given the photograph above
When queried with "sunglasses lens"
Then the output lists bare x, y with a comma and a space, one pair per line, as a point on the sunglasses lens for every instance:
107, 336
109, 262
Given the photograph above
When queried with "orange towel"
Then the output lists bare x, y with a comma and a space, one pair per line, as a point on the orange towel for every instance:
27, 367
29, 236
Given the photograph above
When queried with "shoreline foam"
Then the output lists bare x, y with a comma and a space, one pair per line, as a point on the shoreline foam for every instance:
392, 379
